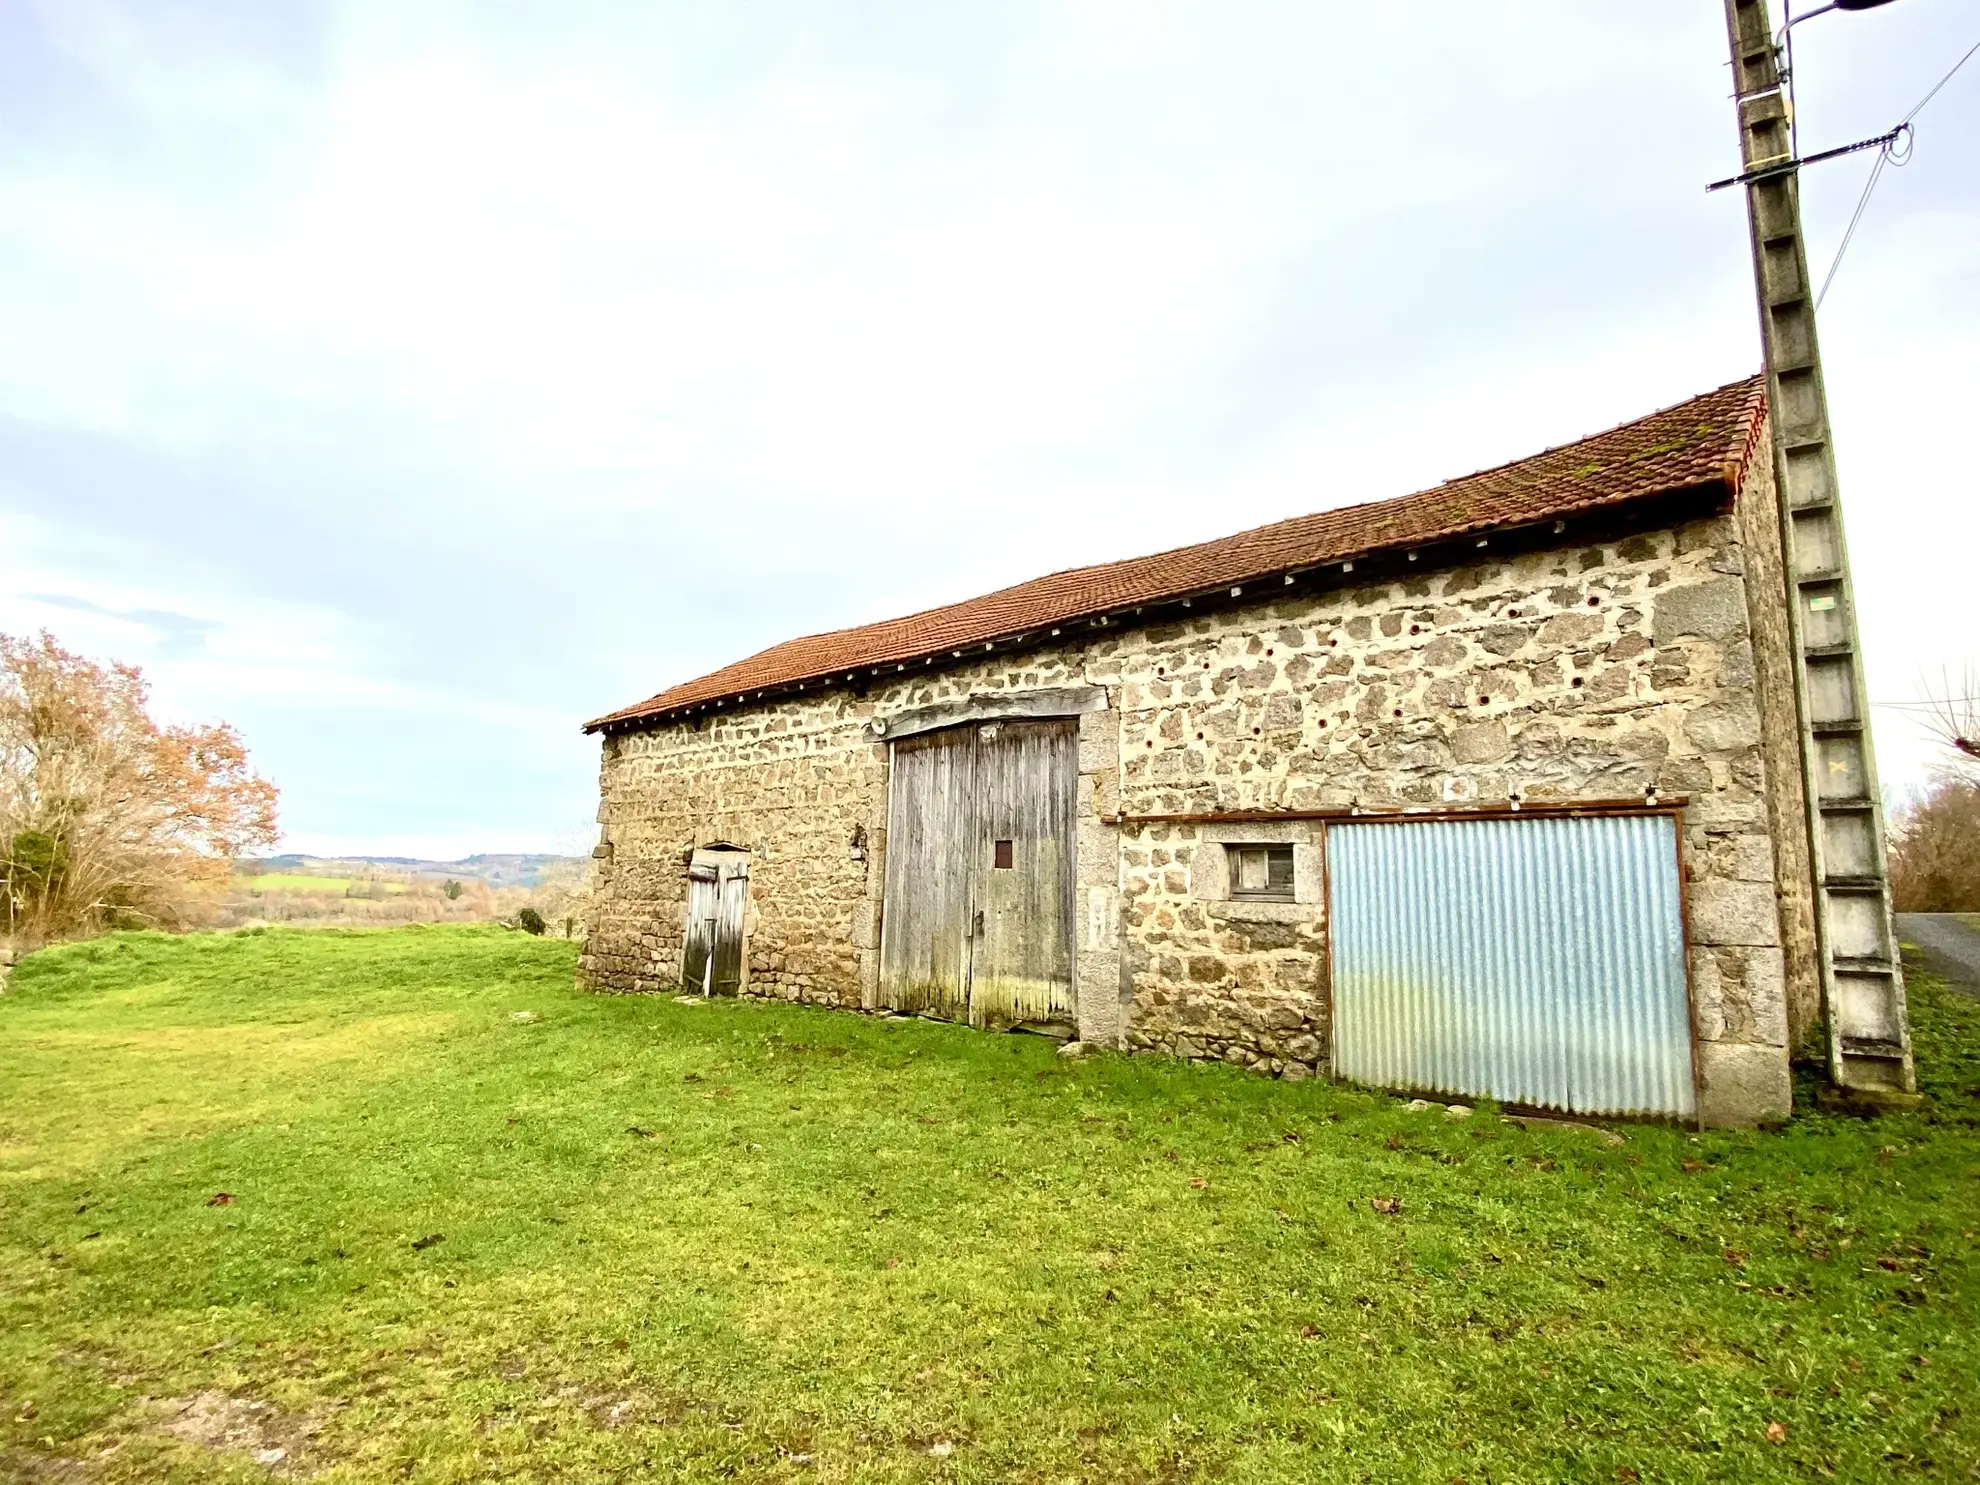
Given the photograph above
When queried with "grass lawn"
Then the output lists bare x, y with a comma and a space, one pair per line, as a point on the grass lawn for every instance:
626, 1238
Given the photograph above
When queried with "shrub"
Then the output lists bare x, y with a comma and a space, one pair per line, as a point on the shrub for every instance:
529, 920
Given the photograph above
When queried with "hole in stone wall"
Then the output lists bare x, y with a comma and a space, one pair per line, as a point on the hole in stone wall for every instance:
1575, 682
1593, 600
1484, 701
1399, 711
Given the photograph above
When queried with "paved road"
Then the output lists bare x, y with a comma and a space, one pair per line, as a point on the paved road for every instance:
1946, 946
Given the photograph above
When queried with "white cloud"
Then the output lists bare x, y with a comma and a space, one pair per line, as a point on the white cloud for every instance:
459, 371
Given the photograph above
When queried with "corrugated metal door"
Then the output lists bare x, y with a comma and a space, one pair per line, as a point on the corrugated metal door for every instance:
1022, 892
978, 915
711, 948
1536, 961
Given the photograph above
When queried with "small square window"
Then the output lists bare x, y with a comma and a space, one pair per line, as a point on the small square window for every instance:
1003, 855
1262, 873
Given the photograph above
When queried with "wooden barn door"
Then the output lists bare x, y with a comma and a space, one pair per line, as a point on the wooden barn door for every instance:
1022, 877
931, 833
711, 950
978, 913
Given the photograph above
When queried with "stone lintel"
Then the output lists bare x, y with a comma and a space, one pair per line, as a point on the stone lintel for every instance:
1048, 701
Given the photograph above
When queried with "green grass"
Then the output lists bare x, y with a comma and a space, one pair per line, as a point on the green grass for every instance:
856, 1249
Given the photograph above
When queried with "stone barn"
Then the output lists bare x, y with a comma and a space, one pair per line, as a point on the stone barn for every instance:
1490, 790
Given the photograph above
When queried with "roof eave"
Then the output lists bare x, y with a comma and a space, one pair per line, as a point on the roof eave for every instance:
1727, 484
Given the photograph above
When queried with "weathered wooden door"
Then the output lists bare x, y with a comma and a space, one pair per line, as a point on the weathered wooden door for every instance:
711, 951
978, 913
931, 840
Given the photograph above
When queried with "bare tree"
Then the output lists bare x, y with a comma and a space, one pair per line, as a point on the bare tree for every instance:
1952, 715
1935, 849
107, 818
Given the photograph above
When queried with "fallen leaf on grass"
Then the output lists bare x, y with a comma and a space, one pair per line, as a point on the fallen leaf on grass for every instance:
420, 1245
1309, 1332
1776, 1433
645, 1134
891, 1263
1692, 1165
1388, 1206
1197, 1183
1733, 1256
1626, 1474
222, 1199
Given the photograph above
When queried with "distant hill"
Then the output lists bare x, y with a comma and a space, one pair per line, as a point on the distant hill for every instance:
523, 869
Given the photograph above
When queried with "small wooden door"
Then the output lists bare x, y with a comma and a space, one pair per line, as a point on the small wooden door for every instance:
978, 921
718, 892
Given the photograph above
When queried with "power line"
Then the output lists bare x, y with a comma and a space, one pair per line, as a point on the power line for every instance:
1943, 81
1890, 154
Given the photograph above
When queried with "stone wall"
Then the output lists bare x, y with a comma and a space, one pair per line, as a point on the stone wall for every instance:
1774, 667
1602, 670
792, 783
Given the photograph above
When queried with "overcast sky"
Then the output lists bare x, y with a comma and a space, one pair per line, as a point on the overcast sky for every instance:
408, 383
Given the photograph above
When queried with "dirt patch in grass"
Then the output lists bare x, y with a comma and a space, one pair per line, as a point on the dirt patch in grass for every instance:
278, 1442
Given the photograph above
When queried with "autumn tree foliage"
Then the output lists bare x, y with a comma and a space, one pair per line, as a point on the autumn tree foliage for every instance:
108, 819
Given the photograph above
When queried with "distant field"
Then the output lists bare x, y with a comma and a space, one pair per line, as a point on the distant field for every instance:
286, 882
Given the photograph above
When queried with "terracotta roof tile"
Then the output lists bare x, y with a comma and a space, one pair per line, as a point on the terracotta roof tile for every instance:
1703, 442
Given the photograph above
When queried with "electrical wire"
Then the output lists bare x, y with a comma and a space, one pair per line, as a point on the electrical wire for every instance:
1943, 81
1855, 219
1897, 152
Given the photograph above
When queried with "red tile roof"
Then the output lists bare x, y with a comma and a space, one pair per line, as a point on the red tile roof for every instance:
1697, 444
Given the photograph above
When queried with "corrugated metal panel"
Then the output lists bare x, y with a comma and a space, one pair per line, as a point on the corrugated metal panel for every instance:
1533, 961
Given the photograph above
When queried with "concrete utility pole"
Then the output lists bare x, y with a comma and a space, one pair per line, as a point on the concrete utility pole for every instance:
1861, 974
